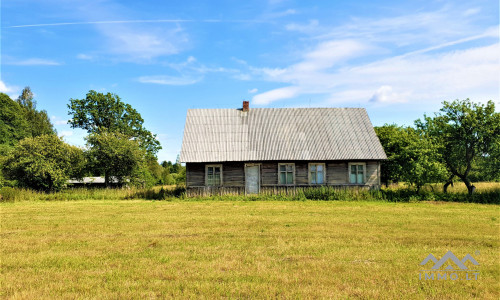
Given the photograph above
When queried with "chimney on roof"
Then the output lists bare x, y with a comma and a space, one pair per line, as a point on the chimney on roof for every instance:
246, 106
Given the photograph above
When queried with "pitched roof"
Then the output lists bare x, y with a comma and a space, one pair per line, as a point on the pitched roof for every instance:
215, 135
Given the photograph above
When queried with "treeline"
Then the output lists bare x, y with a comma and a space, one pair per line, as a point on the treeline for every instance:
118, 147
461, 142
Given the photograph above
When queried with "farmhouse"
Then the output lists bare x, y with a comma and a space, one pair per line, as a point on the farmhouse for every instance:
274, 149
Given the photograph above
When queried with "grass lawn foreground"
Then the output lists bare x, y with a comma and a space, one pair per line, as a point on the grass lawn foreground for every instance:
243, 249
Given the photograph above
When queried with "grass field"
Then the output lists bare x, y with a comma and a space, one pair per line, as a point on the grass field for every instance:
243, 249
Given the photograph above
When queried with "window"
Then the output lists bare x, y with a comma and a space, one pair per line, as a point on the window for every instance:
357, 173
213, 175
286, 174
316, 173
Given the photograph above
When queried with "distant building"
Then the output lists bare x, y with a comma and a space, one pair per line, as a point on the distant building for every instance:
92, 182
274, 149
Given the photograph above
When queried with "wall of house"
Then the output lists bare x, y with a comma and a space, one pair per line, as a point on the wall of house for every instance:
233, 173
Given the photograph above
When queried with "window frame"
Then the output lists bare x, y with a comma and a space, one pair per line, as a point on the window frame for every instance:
293, 174
206, 173
309, 173
349, 172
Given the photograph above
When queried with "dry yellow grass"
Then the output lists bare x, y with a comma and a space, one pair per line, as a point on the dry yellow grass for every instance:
144, 249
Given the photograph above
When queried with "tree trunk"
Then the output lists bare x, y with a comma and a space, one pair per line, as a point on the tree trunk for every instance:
470, 187
448, 183
106, 180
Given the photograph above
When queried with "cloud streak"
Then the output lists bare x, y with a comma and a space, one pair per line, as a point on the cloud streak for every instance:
30, 62
111, 22
168, 80
362, 62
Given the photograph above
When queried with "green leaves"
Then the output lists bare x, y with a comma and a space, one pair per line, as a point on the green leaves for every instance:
115, 155
106, 112
44, 163
466, 132
412, 156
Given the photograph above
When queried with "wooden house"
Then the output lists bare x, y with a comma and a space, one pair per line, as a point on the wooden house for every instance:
247, 151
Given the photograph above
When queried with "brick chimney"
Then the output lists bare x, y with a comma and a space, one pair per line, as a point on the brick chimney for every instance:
246, 106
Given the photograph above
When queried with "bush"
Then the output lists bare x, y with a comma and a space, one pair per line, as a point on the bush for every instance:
7, 194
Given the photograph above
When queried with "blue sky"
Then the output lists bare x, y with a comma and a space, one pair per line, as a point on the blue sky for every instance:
398, 59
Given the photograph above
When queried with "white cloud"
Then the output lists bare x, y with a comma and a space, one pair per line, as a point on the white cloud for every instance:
253, 91
311, 27
12, 91
84, 56
361, 62
58, 121
31, 62
75, 137
168, 80
66, 133
279, 14
385, 94
472, 11
274, 95
143, 45
6, 89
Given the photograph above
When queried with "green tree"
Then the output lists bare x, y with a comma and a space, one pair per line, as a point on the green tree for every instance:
100, 112
116, 156
13, 124
389, 136
39, 122
466, 131
43, 163
411, 156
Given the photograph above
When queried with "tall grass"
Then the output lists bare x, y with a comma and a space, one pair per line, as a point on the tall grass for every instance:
486, 193
9, 194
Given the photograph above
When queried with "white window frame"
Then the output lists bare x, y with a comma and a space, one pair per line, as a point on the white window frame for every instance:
349, 172
309, 173
206, 173
293, 173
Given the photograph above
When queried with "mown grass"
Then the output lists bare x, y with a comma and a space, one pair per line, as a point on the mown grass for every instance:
242, 249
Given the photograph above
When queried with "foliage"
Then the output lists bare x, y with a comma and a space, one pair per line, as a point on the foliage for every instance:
411, 156
13, 124
43, 163
173, 173
466, 132
39, 122
115, 156
106, 112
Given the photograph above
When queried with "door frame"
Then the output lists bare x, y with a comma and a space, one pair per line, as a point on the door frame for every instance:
259, 180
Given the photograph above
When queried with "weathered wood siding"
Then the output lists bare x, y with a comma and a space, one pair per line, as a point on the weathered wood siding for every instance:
336, 172
372, 173
195, 174
233, 175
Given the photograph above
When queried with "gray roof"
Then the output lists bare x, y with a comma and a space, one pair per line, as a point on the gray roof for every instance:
215, 135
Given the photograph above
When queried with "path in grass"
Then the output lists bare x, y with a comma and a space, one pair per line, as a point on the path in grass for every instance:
137, 249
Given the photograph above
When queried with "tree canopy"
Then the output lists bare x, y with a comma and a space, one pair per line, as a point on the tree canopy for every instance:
43, 163
466, 132
411, 156
38, 120
115, 156
20, 119
13, 125
99, 112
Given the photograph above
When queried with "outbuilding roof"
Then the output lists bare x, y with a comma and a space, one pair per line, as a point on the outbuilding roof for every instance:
260, 134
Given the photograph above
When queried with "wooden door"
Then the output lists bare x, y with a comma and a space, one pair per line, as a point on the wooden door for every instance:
252, 179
